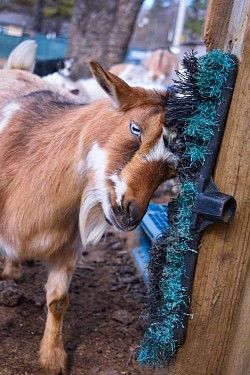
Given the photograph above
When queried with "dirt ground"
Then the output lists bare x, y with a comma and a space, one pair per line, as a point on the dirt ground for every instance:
102, 329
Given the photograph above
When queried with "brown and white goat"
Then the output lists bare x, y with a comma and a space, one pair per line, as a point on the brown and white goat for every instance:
161, 66
68, 171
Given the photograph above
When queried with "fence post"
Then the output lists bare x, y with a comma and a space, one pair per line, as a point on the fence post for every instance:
218, 337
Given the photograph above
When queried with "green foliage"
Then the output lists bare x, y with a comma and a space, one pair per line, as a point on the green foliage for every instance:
195, 26
50, 12
60, 8
195, 17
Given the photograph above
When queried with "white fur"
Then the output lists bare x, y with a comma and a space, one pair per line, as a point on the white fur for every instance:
92, 89
23, 56
97, 160
137, 75
40, 242
95, 205
120, 188
59, 80
7, 112
80, 168
67, 67
6, 250
160, 152
92, 222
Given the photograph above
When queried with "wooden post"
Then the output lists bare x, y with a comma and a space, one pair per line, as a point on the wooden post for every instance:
218, 337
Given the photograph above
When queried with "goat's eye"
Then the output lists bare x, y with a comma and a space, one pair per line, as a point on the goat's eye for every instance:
135, 129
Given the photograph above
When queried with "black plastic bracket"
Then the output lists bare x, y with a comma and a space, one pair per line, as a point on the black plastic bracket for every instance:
211, 205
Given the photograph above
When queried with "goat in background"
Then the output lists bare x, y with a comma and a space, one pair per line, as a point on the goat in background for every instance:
68, 171
45, 67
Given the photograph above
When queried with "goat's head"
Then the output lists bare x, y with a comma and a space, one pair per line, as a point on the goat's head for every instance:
134, 158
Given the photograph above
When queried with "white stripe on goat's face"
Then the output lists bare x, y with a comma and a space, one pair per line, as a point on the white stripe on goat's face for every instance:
120, 188
159, 152
7, 113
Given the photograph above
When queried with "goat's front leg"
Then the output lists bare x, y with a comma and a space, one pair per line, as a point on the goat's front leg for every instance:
12, 270
52, 356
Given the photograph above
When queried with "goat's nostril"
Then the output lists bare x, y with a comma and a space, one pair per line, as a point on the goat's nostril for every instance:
134, 211
127, 216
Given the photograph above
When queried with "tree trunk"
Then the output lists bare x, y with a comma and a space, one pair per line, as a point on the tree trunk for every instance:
100, 30
38, 15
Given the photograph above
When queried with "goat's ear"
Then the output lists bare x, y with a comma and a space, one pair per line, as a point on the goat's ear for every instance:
114, 86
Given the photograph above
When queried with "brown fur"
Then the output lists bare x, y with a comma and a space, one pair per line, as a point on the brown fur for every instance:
161, 63
118, 68
41, 192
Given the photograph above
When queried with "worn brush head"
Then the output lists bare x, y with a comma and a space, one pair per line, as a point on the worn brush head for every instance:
192, 112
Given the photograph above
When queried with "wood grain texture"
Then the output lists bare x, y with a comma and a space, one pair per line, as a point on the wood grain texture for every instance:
237, 359
218, 338
216, 23
236, 34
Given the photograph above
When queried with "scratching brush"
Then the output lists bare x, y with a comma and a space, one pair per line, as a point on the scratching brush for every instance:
197, 111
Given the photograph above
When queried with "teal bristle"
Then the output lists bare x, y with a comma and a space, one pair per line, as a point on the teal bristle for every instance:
193, 113
200, 125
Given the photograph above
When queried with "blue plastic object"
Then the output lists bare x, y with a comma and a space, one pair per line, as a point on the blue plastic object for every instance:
152, 225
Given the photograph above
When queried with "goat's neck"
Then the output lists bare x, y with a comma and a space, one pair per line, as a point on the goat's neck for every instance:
92, 124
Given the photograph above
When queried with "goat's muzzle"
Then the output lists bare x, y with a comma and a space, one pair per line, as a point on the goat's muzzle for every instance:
127, 218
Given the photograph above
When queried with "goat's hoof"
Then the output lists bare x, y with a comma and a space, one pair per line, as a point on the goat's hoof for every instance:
53, 360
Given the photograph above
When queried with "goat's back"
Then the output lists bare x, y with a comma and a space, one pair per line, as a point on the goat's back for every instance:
16, 83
